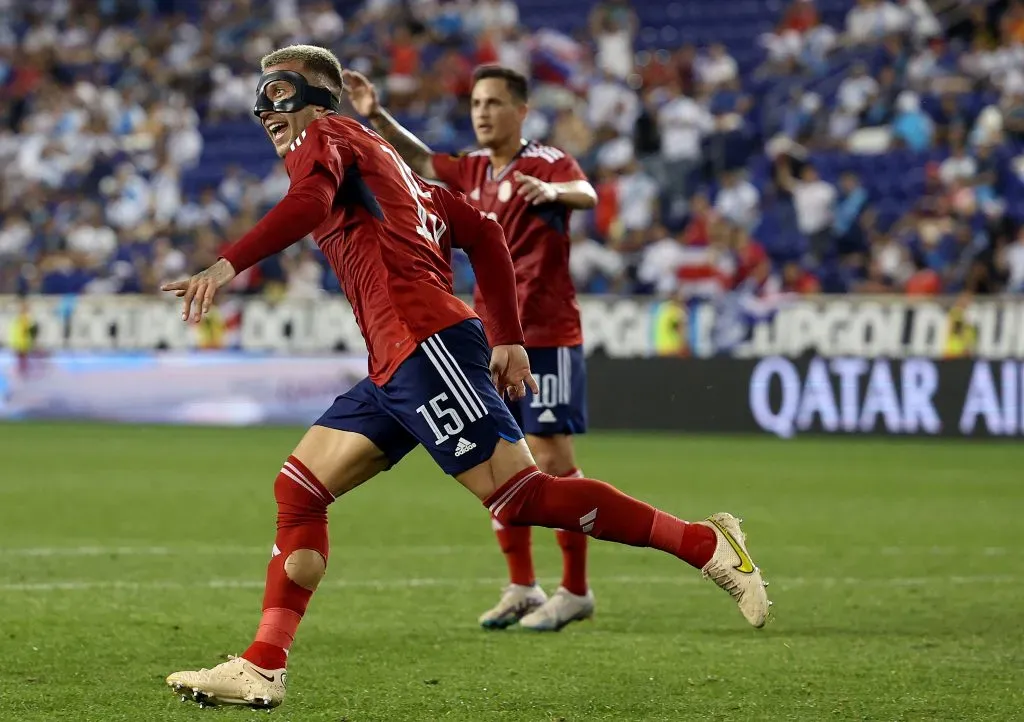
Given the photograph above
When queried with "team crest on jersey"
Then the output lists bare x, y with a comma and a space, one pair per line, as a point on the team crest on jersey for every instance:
504, 191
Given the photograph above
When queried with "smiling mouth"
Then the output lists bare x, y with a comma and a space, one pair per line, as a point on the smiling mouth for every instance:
277, 130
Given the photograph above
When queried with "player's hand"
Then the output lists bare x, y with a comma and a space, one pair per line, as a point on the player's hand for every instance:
535, 191
510, 371
361, 93
200, 289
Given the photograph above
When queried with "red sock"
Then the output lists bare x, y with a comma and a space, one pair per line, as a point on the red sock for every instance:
600, 510
515, 545
574, 554
301, 524
574, 561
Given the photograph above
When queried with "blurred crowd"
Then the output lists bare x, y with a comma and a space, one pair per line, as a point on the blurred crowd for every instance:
882, 153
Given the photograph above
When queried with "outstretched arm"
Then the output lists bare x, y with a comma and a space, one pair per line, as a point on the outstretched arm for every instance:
297, 215
365, 101
575, 194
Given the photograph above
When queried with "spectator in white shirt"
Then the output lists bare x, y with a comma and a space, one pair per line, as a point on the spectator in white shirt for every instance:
683, 124
717, 68
209, 211
611, 104
616, 154
589, 260
958, 167
1011, 262
52, 165
275, 185
814, 201
613, 26
872, 20
514, 50
91, 237
738, 201
15, 234
491, 15
920, 19
185, 144
889, 264
232, 187
845, 119
660, 263
166, 187
324, 23
130, 195
169, 263
638, 198
232, 94
305, 276
855, 91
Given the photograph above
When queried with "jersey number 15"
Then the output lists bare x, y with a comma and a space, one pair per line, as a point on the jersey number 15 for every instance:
430, 227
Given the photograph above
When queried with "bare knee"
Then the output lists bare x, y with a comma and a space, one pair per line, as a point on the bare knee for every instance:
305, 567
553, 454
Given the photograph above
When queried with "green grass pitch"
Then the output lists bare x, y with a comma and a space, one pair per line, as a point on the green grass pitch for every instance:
130, 552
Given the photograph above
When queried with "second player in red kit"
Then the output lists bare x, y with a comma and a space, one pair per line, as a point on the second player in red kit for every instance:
530, 189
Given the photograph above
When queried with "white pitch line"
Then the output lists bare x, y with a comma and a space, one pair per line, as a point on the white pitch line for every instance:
451, 550
467, 583
227, 550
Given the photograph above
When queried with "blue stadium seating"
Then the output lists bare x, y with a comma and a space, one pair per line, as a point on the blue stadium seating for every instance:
893, 180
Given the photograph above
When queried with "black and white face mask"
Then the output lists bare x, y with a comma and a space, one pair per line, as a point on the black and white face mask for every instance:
285, 91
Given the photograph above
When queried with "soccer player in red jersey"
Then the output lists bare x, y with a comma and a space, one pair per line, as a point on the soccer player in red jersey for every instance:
433, 379
529, 189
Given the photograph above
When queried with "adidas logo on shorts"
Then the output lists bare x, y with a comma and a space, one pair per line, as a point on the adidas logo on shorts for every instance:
464, 447
547, 417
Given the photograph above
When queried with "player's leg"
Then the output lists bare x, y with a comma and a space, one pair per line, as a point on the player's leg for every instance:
522, 594
517, 493
716, 545
550, 419
350, 444
326, 464
466, 427
573, 601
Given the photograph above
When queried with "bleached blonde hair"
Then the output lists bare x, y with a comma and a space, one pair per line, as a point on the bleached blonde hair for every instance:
319, 62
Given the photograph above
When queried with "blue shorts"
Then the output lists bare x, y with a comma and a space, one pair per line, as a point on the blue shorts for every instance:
561, 405
441, 397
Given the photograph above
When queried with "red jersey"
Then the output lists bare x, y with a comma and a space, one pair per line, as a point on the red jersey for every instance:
386, 234
537, 236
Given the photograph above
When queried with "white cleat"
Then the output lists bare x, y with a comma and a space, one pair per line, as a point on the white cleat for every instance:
236, 681
733, 570
561, 609
516, 602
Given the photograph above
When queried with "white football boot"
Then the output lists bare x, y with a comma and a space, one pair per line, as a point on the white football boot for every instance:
236, 681
733, 570
516, 602
561, 609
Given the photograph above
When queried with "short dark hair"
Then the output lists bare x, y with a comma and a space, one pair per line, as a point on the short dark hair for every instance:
518, 85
